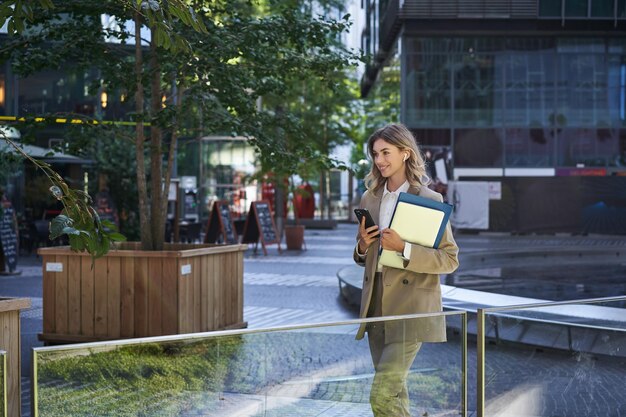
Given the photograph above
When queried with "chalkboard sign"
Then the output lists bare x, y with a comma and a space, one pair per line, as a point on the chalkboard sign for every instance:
220, 227
106, 207
260, 226
8, 237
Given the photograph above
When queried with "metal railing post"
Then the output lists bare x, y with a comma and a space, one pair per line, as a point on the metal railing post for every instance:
464, 365
480, 362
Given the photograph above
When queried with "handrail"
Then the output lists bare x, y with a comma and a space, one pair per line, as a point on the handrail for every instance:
94, 347
555, 303
233, 332
481, 337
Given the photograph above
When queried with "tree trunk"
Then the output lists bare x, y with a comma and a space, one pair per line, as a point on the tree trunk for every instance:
156, 158
322, 194
172, 154
279, 202
144, 214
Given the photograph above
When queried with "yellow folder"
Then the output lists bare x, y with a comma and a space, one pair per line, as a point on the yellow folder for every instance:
417, 220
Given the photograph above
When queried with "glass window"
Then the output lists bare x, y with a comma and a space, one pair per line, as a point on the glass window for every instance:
587, 45
432, 137
529, 147
583, 94
576, 8
621, 8
474, 87
602, 8
478, 148
550, 8
588, 147
537, 102
427, 90
58, 91
529, 87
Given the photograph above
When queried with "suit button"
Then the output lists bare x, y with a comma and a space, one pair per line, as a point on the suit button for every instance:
405, 281
366, 278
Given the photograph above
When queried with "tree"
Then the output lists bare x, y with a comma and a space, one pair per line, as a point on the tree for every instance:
380, 107
205, 66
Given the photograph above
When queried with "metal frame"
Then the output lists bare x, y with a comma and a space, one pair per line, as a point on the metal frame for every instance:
208, 335
481, 336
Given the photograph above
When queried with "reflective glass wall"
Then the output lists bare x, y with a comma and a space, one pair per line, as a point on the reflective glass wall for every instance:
552, 359
519, 101
308, 370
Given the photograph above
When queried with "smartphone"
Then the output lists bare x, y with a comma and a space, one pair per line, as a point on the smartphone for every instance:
360, 213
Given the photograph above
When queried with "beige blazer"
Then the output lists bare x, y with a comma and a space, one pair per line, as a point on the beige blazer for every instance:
414, 289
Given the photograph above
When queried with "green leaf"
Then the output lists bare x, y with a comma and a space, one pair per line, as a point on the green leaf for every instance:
58, 224
70, 231
117, 237
108, 224
77, 243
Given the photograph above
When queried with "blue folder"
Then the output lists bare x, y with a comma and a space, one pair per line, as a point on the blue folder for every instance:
417, 220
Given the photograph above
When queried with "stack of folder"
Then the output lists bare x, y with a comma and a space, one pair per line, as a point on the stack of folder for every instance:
417, 220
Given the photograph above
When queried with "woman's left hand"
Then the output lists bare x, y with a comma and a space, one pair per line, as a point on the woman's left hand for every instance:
390, 240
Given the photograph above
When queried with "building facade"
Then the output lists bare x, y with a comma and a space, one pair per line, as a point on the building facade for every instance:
527, 94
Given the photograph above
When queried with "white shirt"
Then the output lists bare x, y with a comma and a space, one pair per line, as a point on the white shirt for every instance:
387, 205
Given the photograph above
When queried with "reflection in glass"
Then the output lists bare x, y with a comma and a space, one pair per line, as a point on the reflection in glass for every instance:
474, 85
602, 8
427, 90
548, 101
529, 147
550, 8
576, 8
588, 147
559, 360
478, 148
302, 371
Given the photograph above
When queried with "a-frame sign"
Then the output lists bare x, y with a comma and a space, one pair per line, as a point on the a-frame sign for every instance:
260, 226
220, 227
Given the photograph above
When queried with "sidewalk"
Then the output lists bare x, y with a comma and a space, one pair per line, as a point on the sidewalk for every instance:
301, 287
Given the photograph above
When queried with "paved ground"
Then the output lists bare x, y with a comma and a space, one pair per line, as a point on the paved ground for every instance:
301, 287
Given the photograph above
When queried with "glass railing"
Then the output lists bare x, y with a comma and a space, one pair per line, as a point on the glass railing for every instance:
306, 370
552, 359
3, 381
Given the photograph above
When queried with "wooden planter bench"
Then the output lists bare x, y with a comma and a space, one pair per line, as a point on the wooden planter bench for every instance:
131, 293
10, 343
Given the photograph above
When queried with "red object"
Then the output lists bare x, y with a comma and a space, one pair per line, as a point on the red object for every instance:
268, 193
304, 201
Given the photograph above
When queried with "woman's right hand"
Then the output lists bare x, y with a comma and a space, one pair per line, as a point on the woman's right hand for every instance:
366, 236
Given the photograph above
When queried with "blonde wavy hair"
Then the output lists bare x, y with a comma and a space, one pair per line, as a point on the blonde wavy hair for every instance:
398, 135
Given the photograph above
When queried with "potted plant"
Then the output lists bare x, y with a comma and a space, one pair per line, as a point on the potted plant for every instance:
186, 80
138, 289
294, 233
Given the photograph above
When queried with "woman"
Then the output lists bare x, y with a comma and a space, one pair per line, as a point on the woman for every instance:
398, 166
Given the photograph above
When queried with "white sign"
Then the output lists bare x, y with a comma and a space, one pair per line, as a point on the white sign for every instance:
495, 190
471, 204
54, 267
185, 269
189, 182
172, 192
440, 169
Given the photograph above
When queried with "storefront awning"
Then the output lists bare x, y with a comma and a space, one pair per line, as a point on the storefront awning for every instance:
37, 152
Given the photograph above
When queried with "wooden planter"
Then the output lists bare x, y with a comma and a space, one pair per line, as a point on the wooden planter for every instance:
10, 343
130, 293
294, 236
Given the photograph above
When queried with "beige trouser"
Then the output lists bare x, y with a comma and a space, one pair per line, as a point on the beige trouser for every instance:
389, 395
